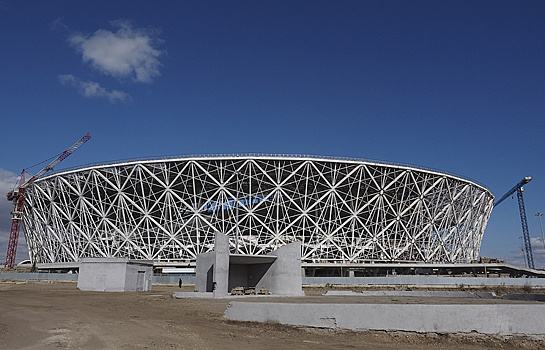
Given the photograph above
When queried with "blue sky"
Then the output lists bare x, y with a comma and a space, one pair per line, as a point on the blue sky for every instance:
456, 86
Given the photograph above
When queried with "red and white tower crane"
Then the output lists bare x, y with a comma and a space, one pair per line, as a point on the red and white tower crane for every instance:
18, 198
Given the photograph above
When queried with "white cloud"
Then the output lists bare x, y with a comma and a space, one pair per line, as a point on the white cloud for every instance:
58, 24
538, 252
8, 181
518, 257
129, 52
93, 89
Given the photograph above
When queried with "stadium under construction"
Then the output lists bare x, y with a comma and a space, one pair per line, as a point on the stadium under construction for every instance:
353, 216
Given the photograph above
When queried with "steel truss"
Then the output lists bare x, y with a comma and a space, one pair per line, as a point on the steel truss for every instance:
342, 211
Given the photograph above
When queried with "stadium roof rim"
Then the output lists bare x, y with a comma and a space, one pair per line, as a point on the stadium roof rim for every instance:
128, 161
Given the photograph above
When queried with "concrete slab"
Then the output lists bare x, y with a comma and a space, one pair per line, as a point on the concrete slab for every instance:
414, 293
401, 280
485, 318
444, 294
189, 295
341, 292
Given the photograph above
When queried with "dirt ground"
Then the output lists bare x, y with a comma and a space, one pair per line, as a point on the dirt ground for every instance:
44, 315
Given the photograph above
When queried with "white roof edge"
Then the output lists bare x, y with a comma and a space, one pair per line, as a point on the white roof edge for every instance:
265, 156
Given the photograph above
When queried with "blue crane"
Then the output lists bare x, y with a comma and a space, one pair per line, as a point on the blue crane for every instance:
525, 232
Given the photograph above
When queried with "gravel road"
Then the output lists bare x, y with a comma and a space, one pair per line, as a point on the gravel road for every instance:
42, 315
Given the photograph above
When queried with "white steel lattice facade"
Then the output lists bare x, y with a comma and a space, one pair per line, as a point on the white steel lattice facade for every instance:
342, 210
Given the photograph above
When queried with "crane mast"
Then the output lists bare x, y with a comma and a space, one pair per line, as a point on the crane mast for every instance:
16, 218
525, 231
18, 198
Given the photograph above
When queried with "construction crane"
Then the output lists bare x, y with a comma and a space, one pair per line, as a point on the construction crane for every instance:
17, 196
525, 232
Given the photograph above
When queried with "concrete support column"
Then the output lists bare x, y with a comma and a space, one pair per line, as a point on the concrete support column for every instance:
204, 272
284, 276
221, 265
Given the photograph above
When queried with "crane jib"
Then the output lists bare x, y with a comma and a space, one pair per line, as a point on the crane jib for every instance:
525, 231
59, 159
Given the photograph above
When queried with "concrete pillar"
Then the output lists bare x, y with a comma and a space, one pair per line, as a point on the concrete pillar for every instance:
284, 275
204, 272
221, 265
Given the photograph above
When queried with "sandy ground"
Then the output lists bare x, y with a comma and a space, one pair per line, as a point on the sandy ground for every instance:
59, 316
